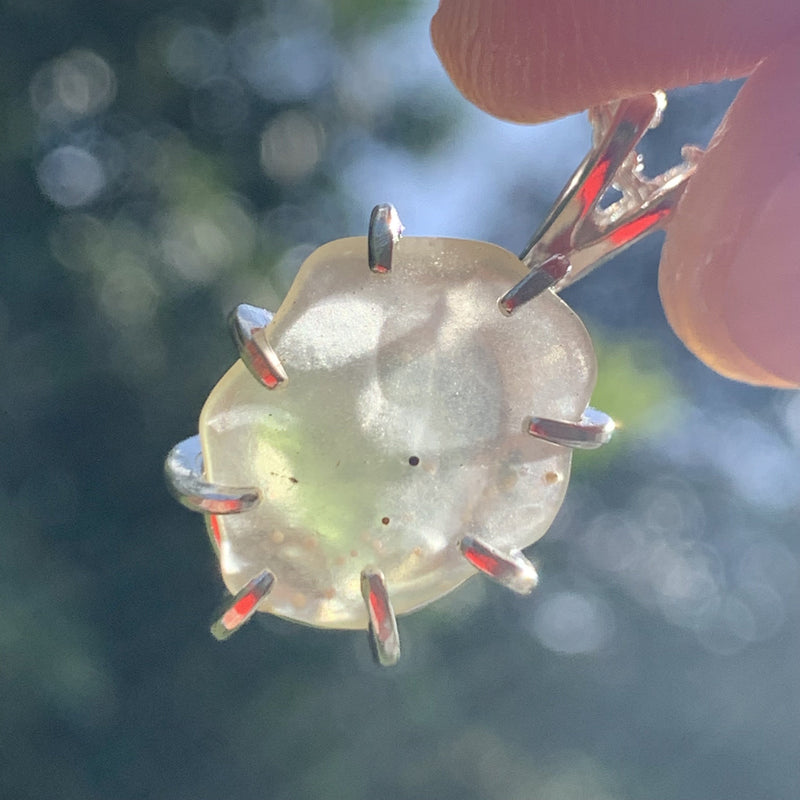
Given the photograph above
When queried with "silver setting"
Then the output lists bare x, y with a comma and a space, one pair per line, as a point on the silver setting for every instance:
587, 235
383, 634
577, 236
541, 277
512, 570
385, 230
184, 470
249, 329
243, 605
594, 430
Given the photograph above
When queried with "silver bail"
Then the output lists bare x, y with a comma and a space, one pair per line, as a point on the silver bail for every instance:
576, 227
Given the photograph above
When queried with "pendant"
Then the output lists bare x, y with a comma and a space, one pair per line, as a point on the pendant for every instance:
395, 427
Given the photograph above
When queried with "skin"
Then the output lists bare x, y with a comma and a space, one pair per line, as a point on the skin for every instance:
730, 268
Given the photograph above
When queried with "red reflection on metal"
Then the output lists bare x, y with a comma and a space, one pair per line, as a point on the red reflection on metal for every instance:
240, 611
215, 531
270, 381
627, 233
593, 185
379, 609
227, 506
265, 370
483, 561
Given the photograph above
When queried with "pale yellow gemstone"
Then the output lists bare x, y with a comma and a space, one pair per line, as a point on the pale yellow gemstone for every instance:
400, 428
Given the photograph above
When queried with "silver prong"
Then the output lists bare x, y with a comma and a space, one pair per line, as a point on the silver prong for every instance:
385, 229
534, 283
243, 605
513, 570
249, 328
594, 429
382, 623
184, 470
586, 234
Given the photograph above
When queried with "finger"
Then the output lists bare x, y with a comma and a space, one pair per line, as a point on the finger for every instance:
532, 60
730, 268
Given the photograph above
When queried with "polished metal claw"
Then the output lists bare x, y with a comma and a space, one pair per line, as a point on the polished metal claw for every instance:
594, 430
512, 570
249, 329
385, 229
383, 634
581, 231
184, 470
541, 277
243, 605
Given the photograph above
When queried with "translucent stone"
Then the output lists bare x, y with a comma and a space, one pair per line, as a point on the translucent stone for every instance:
400, 429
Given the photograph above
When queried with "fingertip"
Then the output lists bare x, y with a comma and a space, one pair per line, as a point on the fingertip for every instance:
730, 268
531, 60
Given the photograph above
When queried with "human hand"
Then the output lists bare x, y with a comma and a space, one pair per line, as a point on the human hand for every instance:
730, 268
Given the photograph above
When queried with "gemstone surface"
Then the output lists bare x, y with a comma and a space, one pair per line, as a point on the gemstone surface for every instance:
400, 429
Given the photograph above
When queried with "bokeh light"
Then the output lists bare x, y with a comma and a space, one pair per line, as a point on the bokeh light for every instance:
291, 146
75, 85
162, 165
71, 176
572, 623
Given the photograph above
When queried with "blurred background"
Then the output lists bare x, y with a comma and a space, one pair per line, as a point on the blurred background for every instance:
161, 162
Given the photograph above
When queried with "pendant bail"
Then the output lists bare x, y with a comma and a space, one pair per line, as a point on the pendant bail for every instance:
577, 228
